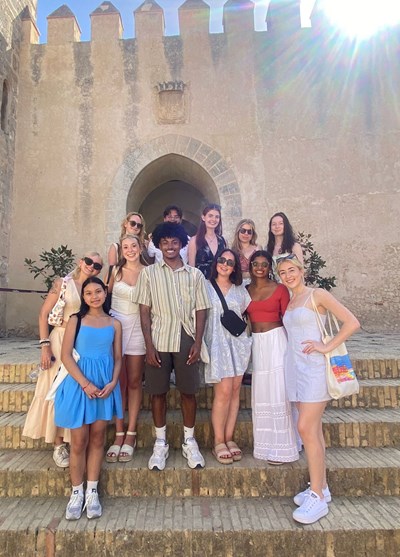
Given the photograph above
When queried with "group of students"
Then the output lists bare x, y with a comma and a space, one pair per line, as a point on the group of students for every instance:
167, 297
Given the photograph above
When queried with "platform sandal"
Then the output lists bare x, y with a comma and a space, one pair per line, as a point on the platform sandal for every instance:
234, 450
113, 452
126, 453
222, 454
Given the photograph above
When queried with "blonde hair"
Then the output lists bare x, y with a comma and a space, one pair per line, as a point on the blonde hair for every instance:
122, 260
125, 221
237, 244
292, 258
77, 271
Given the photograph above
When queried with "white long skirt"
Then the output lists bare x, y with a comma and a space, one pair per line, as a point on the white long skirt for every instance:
273, 429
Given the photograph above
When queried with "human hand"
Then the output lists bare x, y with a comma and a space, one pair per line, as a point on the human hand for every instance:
314, 346
106, 390
91, 391
153, 357
194, 354
47, 358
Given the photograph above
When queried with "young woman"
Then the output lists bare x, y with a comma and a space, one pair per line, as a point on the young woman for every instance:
245, 244
305, 376
133, 223
40, 418
273, 430
229, 355
208, 241
89, 396
281, 240
123, 285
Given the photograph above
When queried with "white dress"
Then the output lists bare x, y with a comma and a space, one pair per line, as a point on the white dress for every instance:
127, 312
229, 355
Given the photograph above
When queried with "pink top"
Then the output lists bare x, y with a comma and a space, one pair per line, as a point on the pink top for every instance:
270, 310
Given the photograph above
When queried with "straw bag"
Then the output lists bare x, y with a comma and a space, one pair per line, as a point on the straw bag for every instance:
340, 376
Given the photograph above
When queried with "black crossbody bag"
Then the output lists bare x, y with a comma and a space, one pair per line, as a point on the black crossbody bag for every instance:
229, 319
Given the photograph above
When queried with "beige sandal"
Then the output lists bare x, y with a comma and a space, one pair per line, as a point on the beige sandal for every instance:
127, 451
113, 452
222, 454
234, 450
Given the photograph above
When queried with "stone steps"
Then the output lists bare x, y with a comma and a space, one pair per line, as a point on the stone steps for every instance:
351, 472
198, 527
374, 393
379, 368
342, 428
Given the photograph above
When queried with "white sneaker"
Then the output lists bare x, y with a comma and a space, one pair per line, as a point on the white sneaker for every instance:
159, 456
92, 504
312, 509
190, 450
61, 456
300, 497
75, 506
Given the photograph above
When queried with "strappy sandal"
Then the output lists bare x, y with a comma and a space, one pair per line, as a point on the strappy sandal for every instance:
234, 450
222, 454
113, 452
126, 453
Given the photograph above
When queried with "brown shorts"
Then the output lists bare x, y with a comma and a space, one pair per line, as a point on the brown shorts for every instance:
187, 377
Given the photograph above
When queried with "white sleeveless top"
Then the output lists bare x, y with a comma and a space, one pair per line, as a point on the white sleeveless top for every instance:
121, 298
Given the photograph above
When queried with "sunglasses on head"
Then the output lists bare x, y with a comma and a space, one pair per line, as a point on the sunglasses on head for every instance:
225, 261
133, 223
248, 231
263, 264
89, 262
286, 257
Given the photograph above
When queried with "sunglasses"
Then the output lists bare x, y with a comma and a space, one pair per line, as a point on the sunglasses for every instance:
89, 262
246, 231
225, 261
133, 223
263, 264
286, 257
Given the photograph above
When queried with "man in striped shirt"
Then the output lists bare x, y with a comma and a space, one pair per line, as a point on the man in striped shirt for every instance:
173, 308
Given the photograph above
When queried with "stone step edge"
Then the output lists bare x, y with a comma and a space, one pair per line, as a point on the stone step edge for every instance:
351, 472
193, 526
364, 368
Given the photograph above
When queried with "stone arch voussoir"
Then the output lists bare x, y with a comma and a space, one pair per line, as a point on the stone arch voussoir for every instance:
209, 159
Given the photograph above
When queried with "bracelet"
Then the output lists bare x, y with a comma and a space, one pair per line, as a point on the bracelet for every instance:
44, 340
87, 384
44, 344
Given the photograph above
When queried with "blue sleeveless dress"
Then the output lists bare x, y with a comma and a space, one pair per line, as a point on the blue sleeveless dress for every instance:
73, 408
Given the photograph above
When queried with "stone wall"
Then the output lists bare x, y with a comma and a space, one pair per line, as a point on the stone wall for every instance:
10, 40
288, 119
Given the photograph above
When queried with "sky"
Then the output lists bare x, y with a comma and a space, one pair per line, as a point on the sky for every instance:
82, 9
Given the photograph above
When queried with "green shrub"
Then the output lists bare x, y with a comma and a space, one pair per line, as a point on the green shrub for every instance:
58, 262
313, 263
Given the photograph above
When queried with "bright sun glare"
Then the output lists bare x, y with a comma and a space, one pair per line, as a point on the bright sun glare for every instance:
362, 18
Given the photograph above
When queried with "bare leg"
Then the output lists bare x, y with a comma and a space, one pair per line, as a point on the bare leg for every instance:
95, 450
134, 371
189, 407
119, 423
233, 408
159, 409
220, 408
77, 461
310, 429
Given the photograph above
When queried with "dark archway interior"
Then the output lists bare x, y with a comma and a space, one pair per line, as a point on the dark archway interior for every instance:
172, 179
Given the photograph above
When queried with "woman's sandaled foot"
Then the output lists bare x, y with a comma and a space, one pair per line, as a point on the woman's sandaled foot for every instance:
234, 450
222, 454
113, 452
128, 449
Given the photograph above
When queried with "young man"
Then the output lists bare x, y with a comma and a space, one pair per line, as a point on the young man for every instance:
172, 213
173, 307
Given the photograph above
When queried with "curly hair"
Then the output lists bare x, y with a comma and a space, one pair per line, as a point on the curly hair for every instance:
259, 253
169, 230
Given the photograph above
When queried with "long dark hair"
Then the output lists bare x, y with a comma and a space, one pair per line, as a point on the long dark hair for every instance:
259, 253
289, 238
236, 276
83, 310
201, 232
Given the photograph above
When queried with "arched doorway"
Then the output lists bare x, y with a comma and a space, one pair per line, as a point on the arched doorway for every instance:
172, 179
172, 169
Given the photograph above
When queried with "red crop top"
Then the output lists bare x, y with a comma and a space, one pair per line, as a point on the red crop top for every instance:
271, 309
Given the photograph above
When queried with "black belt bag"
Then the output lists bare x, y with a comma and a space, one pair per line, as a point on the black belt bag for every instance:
229, 319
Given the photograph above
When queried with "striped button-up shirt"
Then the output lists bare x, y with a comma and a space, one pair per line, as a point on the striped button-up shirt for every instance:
173, 296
